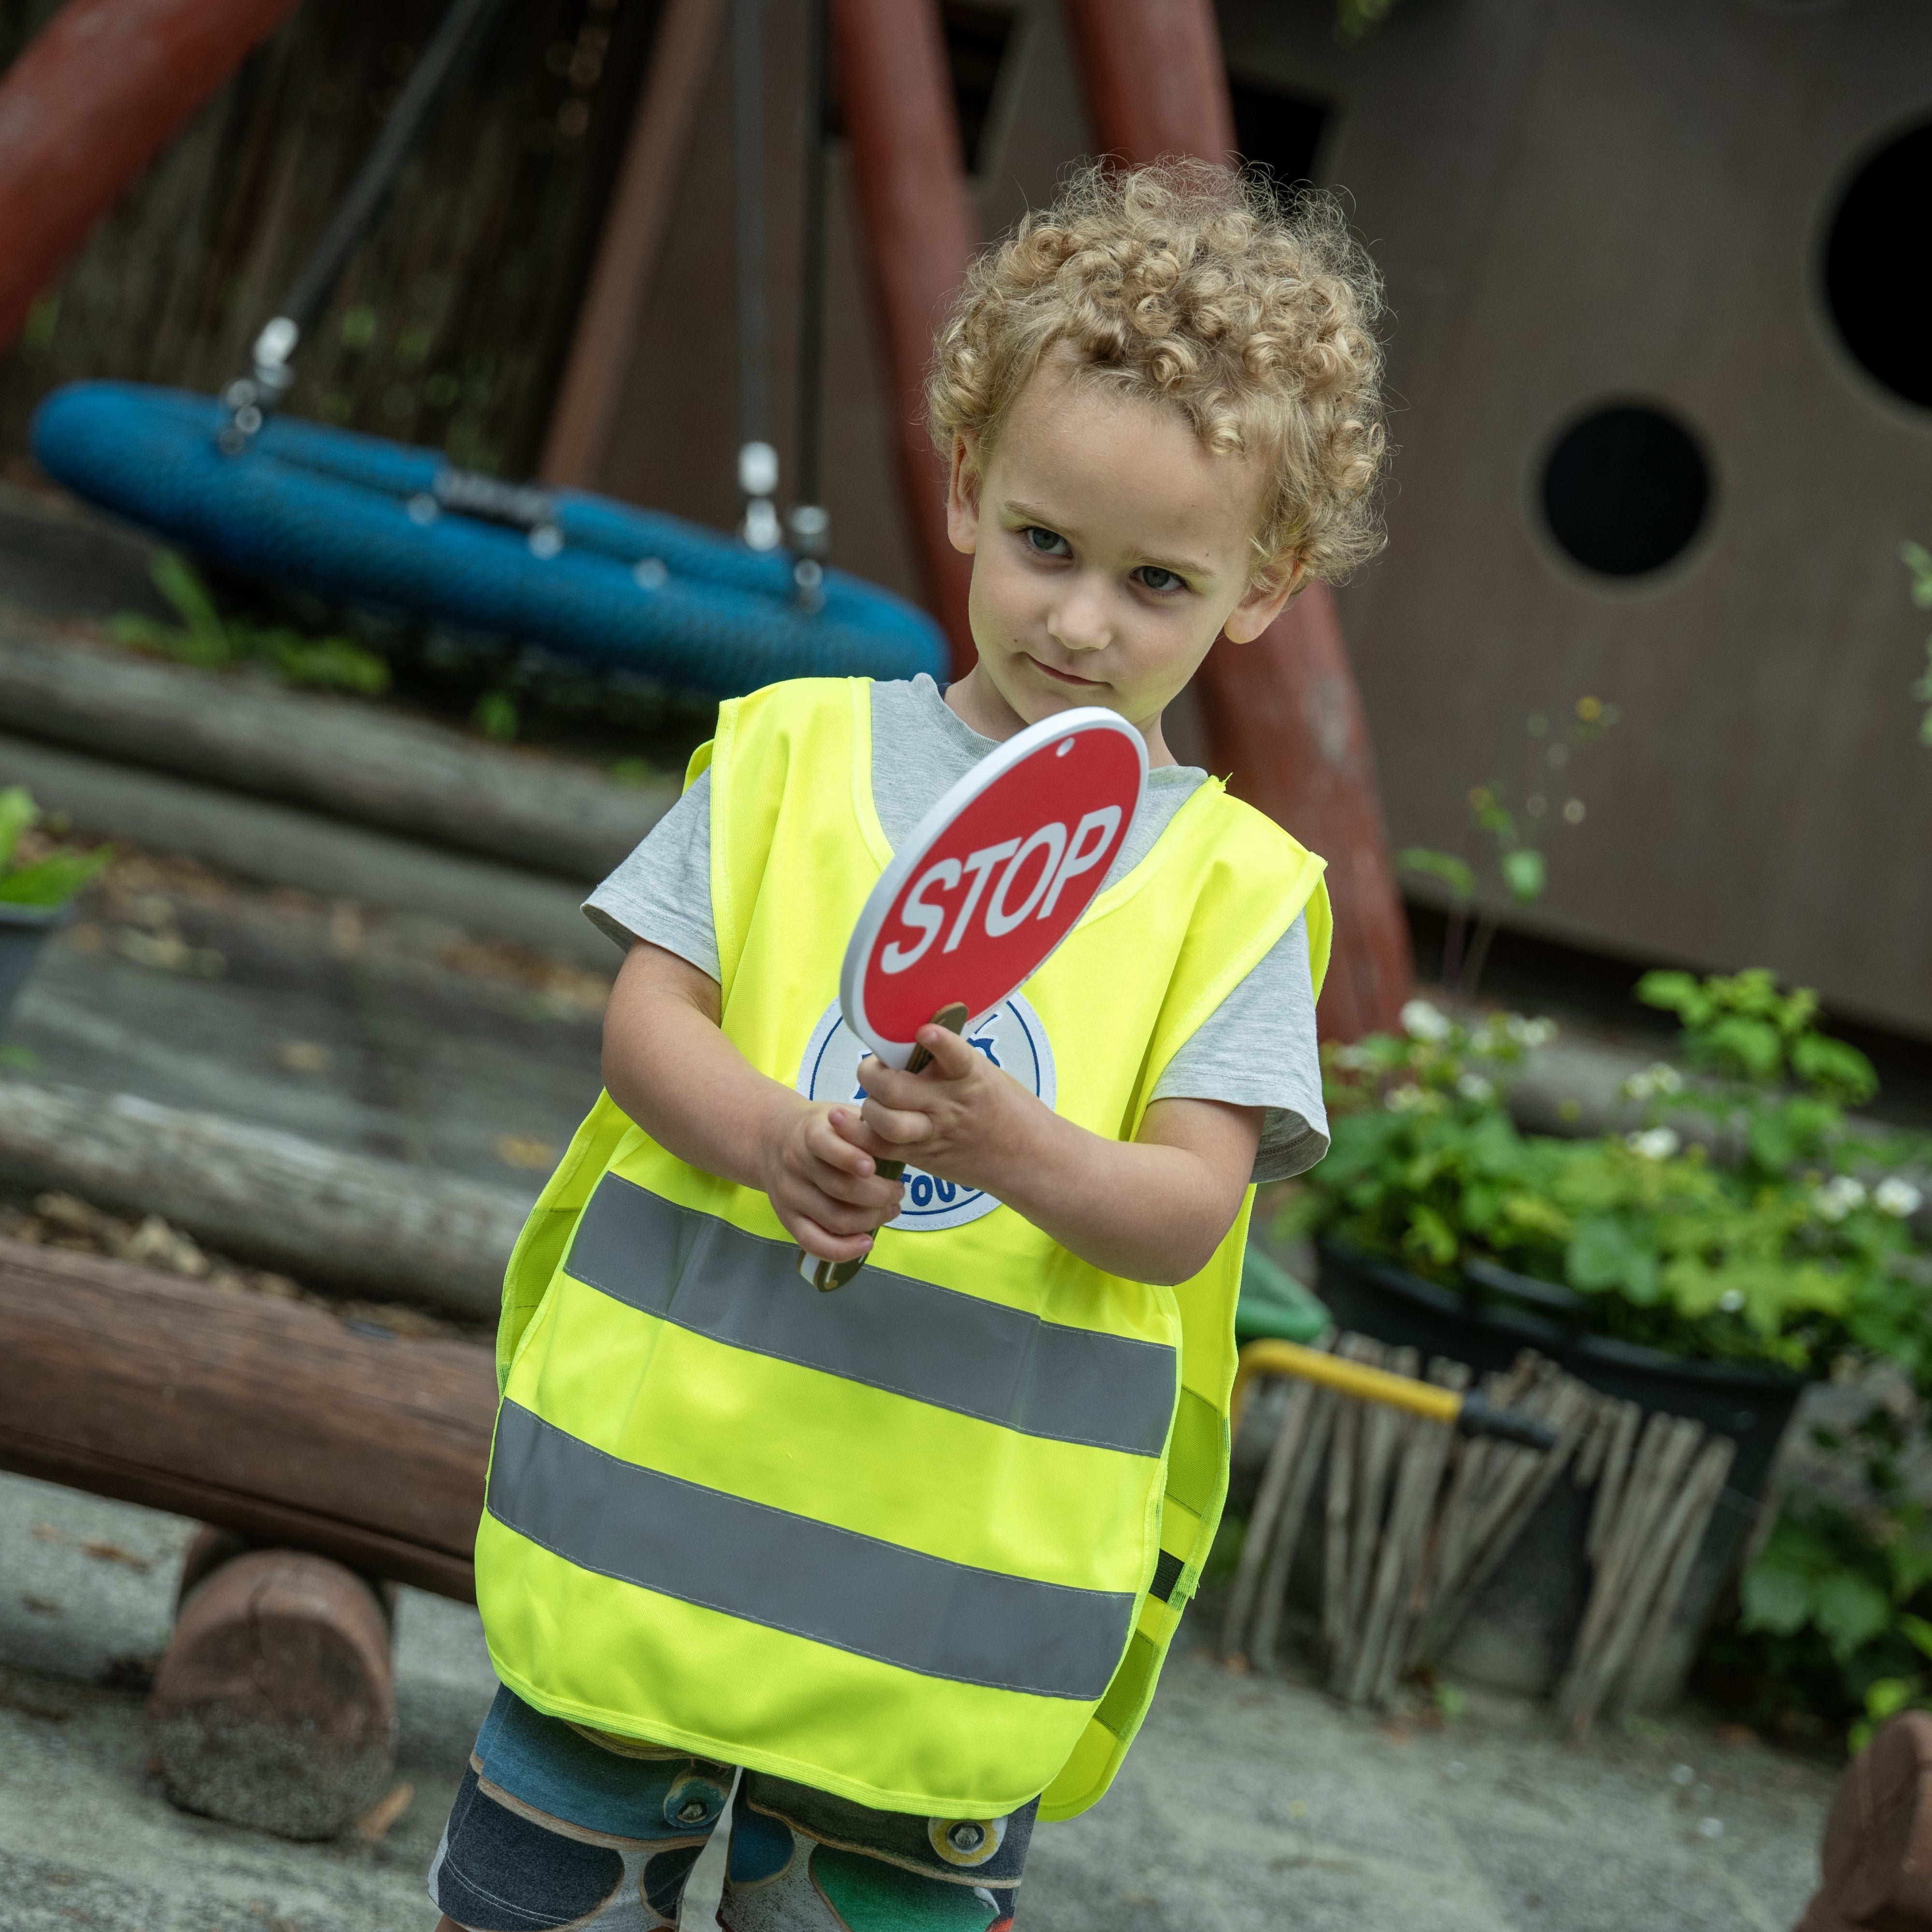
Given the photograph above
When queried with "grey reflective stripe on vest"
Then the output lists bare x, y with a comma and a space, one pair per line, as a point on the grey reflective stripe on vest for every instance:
954, 1351
790, 1572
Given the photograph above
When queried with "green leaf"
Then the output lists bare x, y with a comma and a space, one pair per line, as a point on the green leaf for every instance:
1776, 1597
1524, 874
1850, 1611
1835, 1067
53, 880
180, 582
1916, 1631
1886, 1696
496, 716
1599, 1254
1675, 992
331, 664
18, 812
1443, 866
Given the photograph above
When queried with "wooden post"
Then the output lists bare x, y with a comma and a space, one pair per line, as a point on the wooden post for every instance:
86, 107
641, 201
920, 235
275, 1705
1282, 713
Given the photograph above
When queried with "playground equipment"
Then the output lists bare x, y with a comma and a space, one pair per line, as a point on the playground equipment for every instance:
365, 523
353, 518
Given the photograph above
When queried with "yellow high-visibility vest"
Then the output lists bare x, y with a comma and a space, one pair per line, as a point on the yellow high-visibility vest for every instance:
922, 1542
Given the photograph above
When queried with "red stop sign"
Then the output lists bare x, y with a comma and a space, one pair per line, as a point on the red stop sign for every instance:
994, 878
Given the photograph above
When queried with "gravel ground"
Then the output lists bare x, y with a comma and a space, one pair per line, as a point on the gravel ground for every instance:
1248, 1805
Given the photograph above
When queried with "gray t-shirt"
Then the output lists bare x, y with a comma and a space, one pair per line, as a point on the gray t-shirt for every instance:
1257, 1049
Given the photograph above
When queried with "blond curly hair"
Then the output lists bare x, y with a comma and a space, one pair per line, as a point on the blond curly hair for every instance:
1200, 286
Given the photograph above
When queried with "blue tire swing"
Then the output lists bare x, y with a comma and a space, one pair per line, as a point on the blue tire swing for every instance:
382, 525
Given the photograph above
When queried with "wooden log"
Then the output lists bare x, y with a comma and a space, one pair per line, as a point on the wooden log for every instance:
279, 844
275, 1705
1877, 1855
394, 1232
265, 1417
333, 754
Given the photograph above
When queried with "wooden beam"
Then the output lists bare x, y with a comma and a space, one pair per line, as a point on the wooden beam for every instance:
266, 1417
86, 107
633, 233
921, 233
1282, 713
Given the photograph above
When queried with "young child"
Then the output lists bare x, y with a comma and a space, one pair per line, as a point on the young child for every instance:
911, 1554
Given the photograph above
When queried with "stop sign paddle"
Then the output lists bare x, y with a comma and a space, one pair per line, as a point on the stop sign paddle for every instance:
995, 876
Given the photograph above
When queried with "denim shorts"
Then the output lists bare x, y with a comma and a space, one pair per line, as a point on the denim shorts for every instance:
556, 1826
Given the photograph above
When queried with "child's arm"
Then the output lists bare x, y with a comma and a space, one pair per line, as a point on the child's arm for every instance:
669, 1067
1153, 1209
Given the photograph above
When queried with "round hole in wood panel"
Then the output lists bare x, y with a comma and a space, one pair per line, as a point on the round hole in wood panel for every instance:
1625, 489
1878, 276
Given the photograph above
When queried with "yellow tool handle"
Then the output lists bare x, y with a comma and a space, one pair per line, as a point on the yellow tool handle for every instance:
1355, 1378
1469, 1413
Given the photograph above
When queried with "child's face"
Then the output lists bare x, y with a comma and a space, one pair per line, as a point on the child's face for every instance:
1109, 551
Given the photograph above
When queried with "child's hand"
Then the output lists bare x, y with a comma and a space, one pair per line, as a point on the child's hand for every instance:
824, 1184
960, 1119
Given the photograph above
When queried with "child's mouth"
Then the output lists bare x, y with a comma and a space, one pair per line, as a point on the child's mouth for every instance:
1064, 676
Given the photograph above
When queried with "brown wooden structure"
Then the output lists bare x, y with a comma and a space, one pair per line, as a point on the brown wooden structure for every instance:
268, 1418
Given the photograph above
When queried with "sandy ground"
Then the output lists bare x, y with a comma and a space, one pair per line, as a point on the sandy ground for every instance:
1248, 1805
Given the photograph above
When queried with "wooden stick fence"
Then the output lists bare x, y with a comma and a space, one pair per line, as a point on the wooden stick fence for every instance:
1415, 1520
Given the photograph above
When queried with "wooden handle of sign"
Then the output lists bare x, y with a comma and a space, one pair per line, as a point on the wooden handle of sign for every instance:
826, 1276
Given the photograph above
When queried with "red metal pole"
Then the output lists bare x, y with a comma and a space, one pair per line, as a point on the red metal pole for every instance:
920, 234
1282, 713
86, 107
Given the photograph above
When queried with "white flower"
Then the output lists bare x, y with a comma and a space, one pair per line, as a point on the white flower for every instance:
1897, 1197
1659, 1077
1838, 1197
1421, 1020
1653, 1143
1731, 1300
1474, 1086
1411, 1099
1354, 1059
1485, 1040
1530, 1033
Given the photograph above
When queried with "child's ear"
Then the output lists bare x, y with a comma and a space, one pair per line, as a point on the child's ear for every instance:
962, 494
1267, 598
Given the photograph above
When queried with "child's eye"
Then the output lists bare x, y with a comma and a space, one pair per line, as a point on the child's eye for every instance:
1155, 578
1046, 543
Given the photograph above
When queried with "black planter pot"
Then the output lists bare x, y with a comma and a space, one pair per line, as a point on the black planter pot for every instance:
1519, 1633
23, 930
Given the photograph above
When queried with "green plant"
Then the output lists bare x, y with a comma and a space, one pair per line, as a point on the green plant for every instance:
496, 716
55, 875
1918, 560
206, 639
1764, 1246
1354, 18
1522, 870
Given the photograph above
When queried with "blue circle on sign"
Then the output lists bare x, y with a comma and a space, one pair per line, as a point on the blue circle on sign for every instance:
1011, 1036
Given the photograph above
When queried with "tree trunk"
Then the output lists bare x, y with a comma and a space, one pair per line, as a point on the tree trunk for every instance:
265, 1417
381, 1229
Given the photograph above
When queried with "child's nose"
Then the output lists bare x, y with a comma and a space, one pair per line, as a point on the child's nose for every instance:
1082, 622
